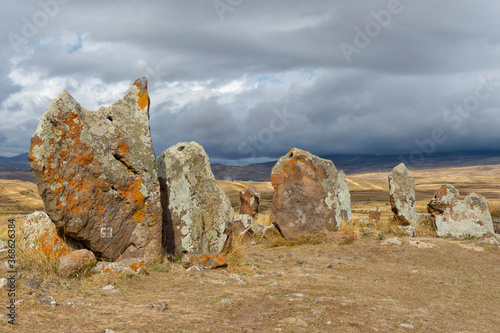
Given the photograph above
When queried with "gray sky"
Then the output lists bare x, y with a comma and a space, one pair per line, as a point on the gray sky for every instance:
250, 79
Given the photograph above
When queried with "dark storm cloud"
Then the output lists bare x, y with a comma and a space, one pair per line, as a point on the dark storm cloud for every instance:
261, 77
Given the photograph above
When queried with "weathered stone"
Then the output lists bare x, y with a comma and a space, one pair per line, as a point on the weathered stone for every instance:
127, 266
374, 215
402, 196
249, 201
204, 261
392, 241
272, 231
40, 233
76, 262
196, 211
309, 195
459, 218
47, 300
96, 173
343, 198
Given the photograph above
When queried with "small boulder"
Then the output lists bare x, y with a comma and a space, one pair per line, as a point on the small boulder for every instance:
402, 196
196, 211
127, 266
40, 232
76, 262
459, 218
204, 261
374, 215
249, 201
309, 195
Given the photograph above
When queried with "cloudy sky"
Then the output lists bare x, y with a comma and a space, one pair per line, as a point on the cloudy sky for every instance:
250, 79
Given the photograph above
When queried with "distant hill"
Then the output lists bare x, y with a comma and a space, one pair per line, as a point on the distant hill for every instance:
15, 162
356, 164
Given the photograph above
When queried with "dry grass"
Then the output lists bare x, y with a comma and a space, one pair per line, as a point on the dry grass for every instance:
305, 239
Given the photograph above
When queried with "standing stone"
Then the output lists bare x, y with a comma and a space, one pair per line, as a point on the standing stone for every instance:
344, 213
374, 215
249, 201
96, 173
459, 218
196, 211
307, 195
402, 196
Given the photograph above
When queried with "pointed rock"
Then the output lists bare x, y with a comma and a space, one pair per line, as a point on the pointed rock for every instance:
249, 201
96, 173
307, 196
402, 196
41, 233
196, 211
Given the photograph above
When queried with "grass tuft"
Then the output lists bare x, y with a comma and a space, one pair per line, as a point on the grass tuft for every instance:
306, 239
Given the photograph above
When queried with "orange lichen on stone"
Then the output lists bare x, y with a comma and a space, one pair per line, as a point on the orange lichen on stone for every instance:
206, 261
143, 97
52, 245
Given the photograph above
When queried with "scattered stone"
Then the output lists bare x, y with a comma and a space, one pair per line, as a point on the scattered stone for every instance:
392, 241
459, 218
408, 326
226, 301
196, 211
71, 304
108, 330
3, 244
162, 307
307, 194
319, 299
96, 173
249, 201
76, 262
402, 196
237, 278
3, 282
127, 266
471, 247
374, 215
46, 300
409, 230
245, 224
33, 284
316, 312
40, 233
110, 289
491, 241
204, 261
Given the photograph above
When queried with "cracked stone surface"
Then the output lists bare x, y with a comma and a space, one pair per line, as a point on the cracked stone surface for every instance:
402, 196
96, 173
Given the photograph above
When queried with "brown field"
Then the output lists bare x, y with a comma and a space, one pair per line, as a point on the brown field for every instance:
423, 285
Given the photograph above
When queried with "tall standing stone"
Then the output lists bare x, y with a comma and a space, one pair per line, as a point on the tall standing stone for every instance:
459, 218
196, 211
249, 201
96, 173
307, 195
402, 196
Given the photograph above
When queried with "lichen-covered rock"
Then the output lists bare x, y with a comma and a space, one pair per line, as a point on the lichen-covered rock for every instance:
75, 262
402, 196
204, 261
343, 213
459, 218
196, 211
249, 201
96, 173
307, 196
39, 232
125, 266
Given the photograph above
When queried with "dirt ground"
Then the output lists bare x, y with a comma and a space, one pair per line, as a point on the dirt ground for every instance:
423, 285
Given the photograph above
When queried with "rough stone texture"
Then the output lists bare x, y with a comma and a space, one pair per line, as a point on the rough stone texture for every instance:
204, 261
307, 196
459, 218
128, 266
272, 231
249, 201
196, 211
96, 173
75, 262
402, 196
344, 213
374, 215
249, 224
40, 232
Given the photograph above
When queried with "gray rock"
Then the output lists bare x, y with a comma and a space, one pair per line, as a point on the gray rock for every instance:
402, 196
459, 218
3, 282
196, 211
343, 196
392, 241
96, 173
33, 284
46, 300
